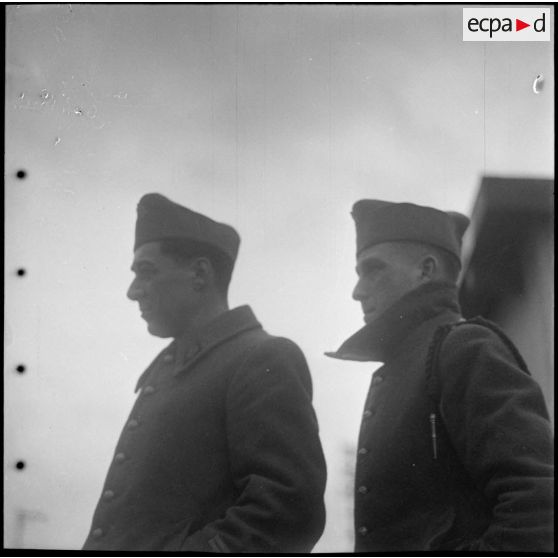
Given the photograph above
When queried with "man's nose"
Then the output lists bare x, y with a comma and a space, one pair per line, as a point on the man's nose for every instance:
134, 291
358, 293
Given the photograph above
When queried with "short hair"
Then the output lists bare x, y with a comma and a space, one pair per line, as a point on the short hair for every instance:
182, 250
450, 265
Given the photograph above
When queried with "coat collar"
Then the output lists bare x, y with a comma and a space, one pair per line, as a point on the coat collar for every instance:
378, 341
187, 350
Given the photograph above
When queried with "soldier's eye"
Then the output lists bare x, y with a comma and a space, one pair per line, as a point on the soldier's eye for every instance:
146, 273
371, 269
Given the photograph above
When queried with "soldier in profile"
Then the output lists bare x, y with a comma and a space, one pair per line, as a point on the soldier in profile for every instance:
455, 448
221, 451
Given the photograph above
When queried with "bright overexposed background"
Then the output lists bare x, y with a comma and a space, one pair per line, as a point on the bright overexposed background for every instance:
272, 118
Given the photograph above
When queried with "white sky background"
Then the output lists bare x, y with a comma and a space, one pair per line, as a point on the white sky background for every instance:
272, 118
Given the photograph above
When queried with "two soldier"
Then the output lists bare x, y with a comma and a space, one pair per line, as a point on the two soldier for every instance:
221, 451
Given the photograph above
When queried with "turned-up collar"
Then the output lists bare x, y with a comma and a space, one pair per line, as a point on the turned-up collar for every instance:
186, 350
378, 340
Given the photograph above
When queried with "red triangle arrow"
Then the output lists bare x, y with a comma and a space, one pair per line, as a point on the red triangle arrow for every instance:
519, 25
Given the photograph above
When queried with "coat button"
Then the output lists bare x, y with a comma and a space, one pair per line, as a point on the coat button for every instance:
362, 531
97, 533
168, 357
133, 424
119, 457
147, 390
377, 380
368, 413
108, 495
362, 451
362, 490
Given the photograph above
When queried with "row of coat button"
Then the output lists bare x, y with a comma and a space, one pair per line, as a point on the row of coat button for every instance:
377, 379
362, 530
120, 457
108, 495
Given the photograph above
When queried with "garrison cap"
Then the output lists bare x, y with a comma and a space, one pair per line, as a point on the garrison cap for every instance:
160, 218
381, 221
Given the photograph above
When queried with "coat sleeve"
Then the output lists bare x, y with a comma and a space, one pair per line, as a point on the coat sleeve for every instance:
497, 420
276, 458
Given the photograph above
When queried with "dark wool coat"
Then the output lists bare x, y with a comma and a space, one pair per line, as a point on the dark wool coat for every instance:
486, 482
221, 450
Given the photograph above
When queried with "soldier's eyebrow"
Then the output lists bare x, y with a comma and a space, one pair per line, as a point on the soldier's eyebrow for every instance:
142, 264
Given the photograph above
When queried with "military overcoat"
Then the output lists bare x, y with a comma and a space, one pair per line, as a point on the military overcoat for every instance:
469, 470
220, 452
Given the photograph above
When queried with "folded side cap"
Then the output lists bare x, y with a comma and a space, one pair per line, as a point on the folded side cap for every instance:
159, 218
379, 221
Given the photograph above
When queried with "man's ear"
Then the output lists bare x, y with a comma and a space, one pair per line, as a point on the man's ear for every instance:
202, 270
428, 268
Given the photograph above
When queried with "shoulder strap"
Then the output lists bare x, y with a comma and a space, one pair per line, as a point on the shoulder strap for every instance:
432, 358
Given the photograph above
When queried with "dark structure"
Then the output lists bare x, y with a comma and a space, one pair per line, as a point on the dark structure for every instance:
508, 268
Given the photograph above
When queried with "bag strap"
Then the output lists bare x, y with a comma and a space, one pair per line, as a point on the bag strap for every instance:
433, 357
432, 365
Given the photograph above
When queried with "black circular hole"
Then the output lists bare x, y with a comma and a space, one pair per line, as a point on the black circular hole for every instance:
20, 465
20, 368
21, 272
21, 174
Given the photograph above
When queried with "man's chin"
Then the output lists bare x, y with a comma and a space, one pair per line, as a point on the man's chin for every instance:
369, 318
157, 330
